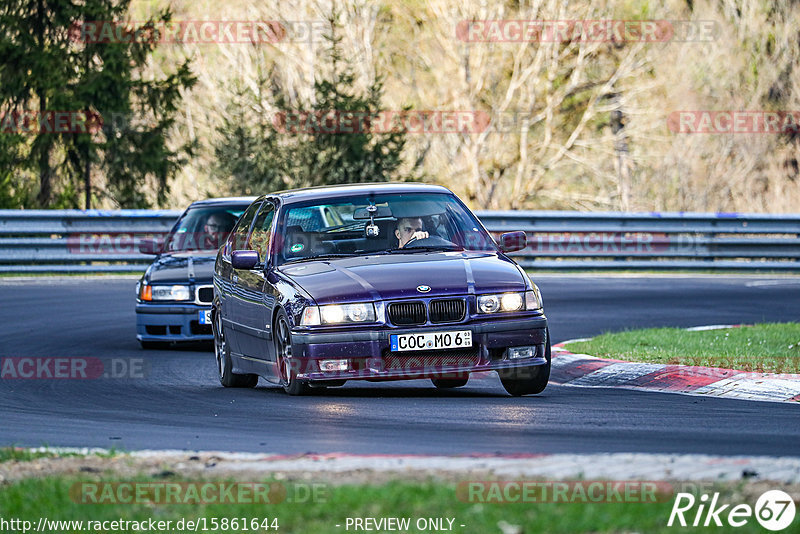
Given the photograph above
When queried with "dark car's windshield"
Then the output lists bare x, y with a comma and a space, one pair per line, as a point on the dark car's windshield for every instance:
203, 228
380, 224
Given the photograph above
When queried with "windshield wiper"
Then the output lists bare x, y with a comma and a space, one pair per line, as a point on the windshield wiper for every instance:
434, 248
319, 257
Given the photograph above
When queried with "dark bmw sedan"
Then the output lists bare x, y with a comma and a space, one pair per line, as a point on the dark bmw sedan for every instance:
173, 297
315, 287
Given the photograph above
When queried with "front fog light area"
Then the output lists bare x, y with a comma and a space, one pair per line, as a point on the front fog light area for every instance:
515, 353
331, 366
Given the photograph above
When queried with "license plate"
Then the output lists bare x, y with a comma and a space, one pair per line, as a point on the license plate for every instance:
204, 317
431, 341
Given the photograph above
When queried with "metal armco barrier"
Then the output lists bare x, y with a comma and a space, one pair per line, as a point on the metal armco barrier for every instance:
78, 241
75, 241
621, 241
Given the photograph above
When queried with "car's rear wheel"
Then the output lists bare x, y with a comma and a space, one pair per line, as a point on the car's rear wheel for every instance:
448, 383
283, 354
222, 352
528, 380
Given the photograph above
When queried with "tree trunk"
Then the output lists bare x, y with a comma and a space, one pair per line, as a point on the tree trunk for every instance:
45, 186
87, 179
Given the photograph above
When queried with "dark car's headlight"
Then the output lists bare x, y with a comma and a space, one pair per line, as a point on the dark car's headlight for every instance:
510, 302
175, 292
362, 312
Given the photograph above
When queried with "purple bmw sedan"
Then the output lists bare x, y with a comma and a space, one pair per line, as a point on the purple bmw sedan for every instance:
315, 287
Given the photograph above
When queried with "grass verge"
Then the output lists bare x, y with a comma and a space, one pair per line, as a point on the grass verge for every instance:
21, 454
769, 347
320, 511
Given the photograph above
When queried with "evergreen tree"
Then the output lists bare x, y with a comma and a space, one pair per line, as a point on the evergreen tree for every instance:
262, 156
47, 65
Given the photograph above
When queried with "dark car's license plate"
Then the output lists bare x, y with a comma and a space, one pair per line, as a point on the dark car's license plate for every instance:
431, 340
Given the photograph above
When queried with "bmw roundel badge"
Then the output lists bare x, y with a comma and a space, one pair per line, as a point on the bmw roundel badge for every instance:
423, 289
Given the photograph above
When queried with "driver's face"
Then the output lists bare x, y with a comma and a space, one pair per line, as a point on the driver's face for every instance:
214, 227
406, 229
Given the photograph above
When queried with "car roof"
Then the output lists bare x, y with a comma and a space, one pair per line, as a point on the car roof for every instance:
336, 191
224, 201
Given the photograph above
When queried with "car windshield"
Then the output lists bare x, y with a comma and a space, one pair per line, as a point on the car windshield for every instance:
203, 228
380, 224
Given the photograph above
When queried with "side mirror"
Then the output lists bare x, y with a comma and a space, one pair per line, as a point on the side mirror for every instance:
513, 241
150, 245
244, 259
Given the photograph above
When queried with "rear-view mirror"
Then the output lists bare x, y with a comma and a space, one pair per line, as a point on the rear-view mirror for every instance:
380, 212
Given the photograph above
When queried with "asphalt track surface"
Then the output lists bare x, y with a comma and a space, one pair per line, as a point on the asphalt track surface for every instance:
179, 404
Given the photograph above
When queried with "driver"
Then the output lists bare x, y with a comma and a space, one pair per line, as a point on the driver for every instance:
217, 228
408, 229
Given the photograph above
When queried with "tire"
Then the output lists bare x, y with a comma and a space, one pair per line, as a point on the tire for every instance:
449, 383
222, 352
530, 385
154, 345
282, 339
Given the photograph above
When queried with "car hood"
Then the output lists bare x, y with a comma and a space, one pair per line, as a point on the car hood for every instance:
182, 267
398, 276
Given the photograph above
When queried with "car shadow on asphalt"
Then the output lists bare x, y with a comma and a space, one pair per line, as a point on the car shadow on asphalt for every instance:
384, 391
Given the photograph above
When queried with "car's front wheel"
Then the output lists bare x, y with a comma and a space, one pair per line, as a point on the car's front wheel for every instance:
528, 380
283, 356
227, 377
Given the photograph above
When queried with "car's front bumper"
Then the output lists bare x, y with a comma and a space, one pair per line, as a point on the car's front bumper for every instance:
369, 356
171, 322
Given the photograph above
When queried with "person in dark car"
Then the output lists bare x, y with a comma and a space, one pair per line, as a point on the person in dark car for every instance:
217, 227
408, 229
174, 296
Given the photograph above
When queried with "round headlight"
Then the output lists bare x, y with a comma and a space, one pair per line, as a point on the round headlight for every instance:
175, 292
489, 303
332, 314
357, 312
511, 302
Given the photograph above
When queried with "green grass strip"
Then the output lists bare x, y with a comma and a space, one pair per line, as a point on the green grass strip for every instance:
769, 347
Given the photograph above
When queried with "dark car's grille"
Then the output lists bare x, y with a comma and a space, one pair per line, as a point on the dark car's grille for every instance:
447, 310
407, 313
205, 295
431, 360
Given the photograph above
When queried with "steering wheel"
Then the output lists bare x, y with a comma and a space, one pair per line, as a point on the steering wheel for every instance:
430, 241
